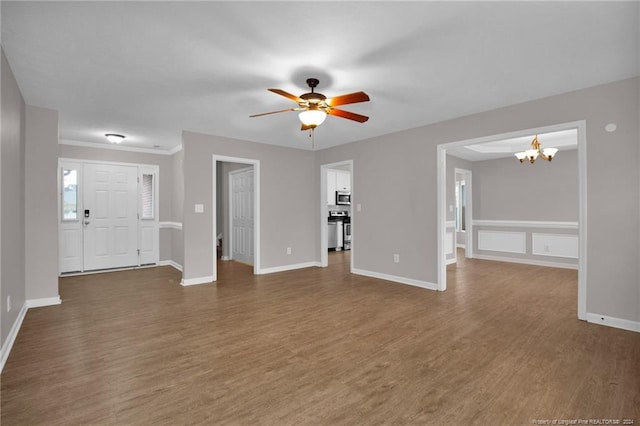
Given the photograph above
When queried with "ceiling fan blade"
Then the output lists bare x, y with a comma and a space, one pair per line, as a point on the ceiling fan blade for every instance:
351, 98
348, 115
288, 95
273, 112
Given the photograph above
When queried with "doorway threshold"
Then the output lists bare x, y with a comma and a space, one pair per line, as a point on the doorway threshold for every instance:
102, 271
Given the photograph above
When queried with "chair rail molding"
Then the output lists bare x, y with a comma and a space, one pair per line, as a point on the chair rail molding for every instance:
526, 224
170, 225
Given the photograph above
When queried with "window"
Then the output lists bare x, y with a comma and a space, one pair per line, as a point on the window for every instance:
147, 196
460, 194
69, 194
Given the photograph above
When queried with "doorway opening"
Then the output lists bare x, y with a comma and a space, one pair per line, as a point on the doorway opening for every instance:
241, 221
236, 211
579, 128
463, 212
337, 224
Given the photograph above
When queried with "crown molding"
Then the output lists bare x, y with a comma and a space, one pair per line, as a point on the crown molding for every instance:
120, 147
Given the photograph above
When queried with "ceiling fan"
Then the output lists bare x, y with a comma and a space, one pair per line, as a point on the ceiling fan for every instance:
315, 106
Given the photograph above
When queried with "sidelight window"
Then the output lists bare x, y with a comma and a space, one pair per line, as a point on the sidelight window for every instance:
69, 194
461, 204
148, 196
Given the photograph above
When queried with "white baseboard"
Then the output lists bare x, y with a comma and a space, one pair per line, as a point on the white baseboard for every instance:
451, 261
533, 262
614, 322
284, 268
196, 281
170, 263
464, 246
45, 301
11, 337
225, 258
394, 278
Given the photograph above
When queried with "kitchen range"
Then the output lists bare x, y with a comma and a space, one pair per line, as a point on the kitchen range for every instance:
339, 230
339, 208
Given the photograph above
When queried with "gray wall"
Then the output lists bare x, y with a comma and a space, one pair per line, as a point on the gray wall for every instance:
12, 200
288, 204
394, 182
167, 183
400, 169
41, 212
505, 189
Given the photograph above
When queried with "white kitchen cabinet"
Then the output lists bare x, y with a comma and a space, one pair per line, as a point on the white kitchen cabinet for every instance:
343, 180
337, 180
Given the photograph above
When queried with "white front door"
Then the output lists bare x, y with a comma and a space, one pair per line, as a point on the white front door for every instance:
241, 193
110, 216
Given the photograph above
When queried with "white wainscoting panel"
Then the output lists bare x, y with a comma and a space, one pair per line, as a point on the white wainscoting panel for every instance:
503, 241
557, 245
449, 243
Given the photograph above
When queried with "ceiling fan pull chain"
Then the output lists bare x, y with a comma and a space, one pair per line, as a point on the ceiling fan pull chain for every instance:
313, 138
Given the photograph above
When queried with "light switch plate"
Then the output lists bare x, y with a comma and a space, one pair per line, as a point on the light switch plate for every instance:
199, 208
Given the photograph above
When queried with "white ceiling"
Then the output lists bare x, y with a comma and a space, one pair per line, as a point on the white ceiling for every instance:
151, 69
563, 140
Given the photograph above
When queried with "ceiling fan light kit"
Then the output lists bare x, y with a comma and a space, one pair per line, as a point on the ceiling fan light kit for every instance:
536, 151
312, 118
314, 107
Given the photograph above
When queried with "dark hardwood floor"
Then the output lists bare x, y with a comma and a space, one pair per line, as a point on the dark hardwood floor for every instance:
501, 346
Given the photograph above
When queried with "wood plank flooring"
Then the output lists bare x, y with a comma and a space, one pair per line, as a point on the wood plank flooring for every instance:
319, 346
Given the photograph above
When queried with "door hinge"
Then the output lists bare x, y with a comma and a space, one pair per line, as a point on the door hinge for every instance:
138, 252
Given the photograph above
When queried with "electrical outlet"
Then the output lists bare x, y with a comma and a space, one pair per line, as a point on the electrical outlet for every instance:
396, 258
546, 248
9, 303
288, 250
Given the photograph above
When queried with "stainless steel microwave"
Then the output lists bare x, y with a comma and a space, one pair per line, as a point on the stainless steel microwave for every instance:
343, 198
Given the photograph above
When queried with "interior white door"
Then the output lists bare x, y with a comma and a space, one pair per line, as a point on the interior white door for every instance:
242, 225
110, 216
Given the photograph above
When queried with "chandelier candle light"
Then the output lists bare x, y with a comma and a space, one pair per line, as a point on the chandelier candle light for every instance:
535, 151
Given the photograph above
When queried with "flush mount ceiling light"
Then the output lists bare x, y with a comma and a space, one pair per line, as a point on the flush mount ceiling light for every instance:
532, 154
114, 138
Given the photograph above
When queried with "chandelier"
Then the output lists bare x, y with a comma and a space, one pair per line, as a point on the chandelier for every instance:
535, 152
